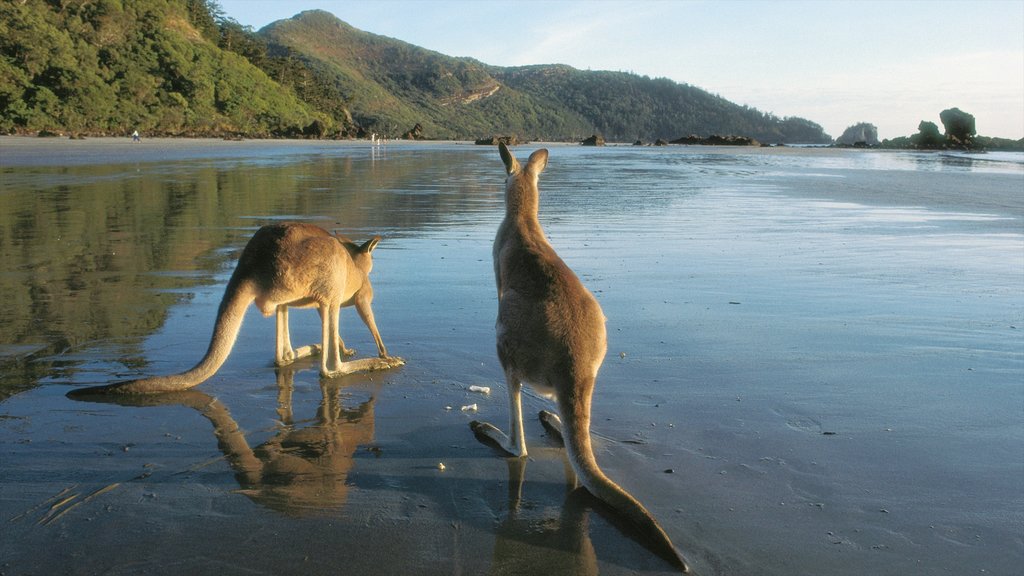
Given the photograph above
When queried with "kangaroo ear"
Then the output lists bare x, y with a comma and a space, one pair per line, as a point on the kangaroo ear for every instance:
511, 164
537, 161
369, 245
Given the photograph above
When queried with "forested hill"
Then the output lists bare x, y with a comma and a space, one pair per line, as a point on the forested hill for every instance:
111, 66
625, 107
393, 85
183, 67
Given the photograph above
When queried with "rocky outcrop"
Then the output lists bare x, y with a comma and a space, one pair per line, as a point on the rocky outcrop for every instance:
862, 135
416, 133
716, 140
595, 140
960, 128
494, 140
481, 93
316, 129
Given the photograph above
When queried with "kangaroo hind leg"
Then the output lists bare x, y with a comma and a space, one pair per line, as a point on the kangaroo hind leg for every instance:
330, 359
515, 443
285, 354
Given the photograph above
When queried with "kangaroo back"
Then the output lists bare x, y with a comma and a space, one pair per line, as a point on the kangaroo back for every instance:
285, 265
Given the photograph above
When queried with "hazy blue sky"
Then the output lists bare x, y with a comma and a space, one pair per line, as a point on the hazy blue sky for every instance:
837, 63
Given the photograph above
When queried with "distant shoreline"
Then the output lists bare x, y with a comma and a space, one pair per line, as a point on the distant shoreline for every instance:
64, 151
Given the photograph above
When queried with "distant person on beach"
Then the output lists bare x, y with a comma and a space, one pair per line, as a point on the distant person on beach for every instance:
135, 136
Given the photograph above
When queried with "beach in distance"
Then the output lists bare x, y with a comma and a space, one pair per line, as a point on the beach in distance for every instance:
814, 366
33, 151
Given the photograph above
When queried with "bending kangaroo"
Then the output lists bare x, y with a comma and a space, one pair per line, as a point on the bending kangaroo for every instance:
292, 264
551, 334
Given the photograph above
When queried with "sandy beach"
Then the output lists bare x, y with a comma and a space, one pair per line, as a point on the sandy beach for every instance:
814, 363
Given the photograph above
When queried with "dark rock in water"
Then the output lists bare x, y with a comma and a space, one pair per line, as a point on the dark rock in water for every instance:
717, 140
416, 133
316, 129
691, 139
494, 140
638, 143
595, 140
862, 135
660, 142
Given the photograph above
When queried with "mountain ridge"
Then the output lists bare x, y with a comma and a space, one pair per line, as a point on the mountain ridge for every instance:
184, 68
560, 102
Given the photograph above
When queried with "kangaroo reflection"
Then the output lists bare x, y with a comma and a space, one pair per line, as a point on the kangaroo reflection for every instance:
563, 534
302, 469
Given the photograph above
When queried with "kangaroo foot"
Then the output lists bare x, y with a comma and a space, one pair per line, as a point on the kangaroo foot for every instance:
297, 354
553, 424
490, 435
364, 365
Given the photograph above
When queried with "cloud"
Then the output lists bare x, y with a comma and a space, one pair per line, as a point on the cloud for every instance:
578, 34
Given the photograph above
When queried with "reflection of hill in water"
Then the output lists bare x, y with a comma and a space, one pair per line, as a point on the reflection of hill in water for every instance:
99, 252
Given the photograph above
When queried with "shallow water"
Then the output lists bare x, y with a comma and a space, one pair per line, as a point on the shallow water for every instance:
816, 363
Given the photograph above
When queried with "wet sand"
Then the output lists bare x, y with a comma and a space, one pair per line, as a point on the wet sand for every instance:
741, 413
28, 151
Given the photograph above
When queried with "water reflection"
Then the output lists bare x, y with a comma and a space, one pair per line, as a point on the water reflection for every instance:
839, 308
552, 539
562, 532
302, 469
99, 252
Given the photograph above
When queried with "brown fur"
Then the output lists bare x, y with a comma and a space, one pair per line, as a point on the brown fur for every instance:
551, 334
286, 265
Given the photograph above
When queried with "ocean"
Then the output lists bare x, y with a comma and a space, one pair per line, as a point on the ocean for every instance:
815, 363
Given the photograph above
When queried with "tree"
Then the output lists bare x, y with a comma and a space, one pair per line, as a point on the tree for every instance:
959, 126
861, 134
204, 15
928, 136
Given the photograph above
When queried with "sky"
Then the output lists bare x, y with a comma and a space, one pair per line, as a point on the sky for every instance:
837, 63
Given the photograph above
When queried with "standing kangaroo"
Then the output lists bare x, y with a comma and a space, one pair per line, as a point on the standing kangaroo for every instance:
291, 264
551, 334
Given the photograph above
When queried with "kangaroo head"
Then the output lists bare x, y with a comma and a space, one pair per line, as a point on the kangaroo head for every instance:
534, 164
521, 184
360, 253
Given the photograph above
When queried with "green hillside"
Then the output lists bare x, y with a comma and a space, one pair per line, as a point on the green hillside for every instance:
183, 67
393, 85
112, 66
625, 107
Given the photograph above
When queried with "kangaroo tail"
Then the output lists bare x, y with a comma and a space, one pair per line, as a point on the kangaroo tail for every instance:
237, 297
576, 433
